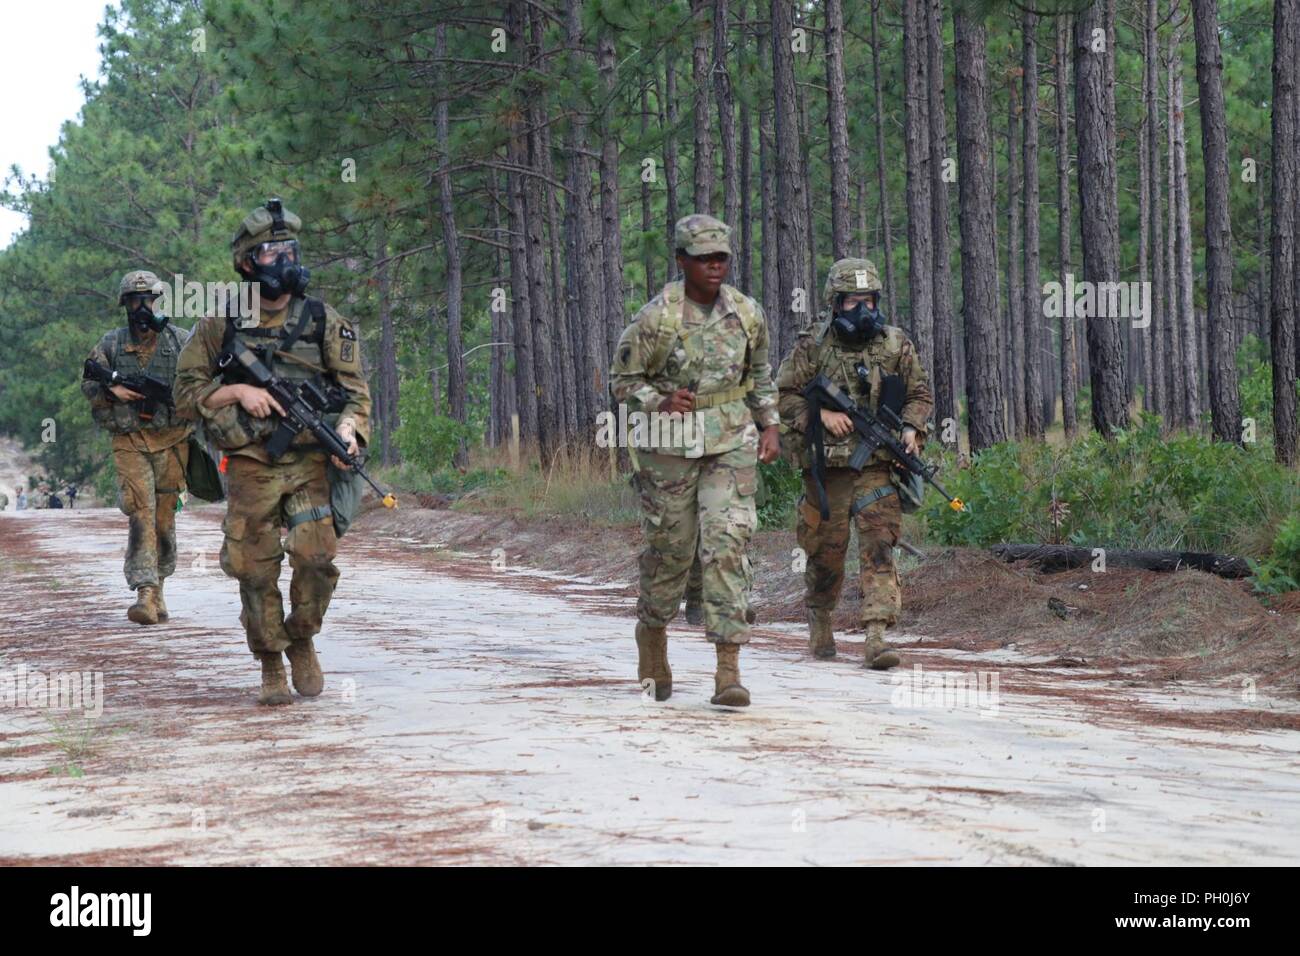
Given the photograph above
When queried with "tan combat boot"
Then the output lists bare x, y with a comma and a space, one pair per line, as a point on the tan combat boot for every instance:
275, 689
305, 667
652, 659
821, 639
145, 608
726, 682
877, 654
161, 604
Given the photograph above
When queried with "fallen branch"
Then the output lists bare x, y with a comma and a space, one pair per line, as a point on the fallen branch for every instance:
1059, 557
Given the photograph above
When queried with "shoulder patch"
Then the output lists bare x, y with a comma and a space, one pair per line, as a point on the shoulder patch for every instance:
346, 332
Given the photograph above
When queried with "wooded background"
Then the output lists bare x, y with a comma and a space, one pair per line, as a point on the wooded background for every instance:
489, 190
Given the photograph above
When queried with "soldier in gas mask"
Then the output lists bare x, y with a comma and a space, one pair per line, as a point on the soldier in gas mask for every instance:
301, 340
150, 448
855, 348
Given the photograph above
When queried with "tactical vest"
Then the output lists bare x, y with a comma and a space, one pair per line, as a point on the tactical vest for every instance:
293, 352
839, 364
121, 418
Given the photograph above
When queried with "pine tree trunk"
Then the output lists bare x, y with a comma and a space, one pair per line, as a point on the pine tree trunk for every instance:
891, 289
726, 103
1177, 387
1284, 268
647, 214
1144, 228
451, 249
791, 210
743, 276
1033, 305
521, 314
671, 173
389, 388
838, 126
703, 196
1017, 414
1189, 333
590, 366
550, 429
1157, 374
976, 219
771, 290
944, 358
1220, 353
1099, 216
916, 143
1069, 366
611, 240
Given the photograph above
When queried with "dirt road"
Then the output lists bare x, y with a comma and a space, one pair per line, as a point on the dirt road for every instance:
478, 713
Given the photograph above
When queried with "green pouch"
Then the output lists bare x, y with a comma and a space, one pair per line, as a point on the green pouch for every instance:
202, 476
346, 488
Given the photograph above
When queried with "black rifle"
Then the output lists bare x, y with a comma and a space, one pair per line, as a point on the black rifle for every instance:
303, 408
875, 430
154, 390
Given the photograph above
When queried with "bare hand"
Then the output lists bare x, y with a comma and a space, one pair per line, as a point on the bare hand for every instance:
837, 423
681, 401
911, 441
124, 394
258, 402
769, 444
349, 436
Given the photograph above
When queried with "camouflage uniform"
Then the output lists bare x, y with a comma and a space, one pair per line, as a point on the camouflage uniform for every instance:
705, 490
149, 454
825, 542
291, 492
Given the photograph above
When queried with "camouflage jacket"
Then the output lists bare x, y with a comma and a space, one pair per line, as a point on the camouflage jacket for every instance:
817, 350
197, 377
668, 346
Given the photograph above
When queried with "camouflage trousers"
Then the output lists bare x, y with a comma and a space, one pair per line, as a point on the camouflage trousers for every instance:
292, 493
698, 503
150, 483
827, 542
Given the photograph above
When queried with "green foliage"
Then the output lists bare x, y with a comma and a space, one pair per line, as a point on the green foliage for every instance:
1280, 571
780, 485
1140, 490
426, 440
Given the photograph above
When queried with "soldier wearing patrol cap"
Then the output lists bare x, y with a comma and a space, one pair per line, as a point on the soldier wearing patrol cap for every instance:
300, 339
149, 440
698, 354
853, 347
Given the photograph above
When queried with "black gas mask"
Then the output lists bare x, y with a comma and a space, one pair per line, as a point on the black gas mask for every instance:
859, 325
277, 269
140, 314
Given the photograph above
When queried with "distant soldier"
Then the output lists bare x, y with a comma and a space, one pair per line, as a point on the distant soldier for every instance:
20, 499
698, 352
4, 501
150, 447
853, 334
301, 340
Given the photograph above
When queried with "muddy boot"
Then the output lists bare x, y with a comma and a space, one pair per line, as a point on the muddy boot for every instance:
821, 639
305, 668
275, 689
162, 605
750, 616
877, 654
652, 659
726, 682
145, 608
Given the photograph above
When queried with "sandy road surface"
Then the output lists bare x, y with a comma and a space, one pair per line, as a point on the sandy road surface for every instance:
481, 714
